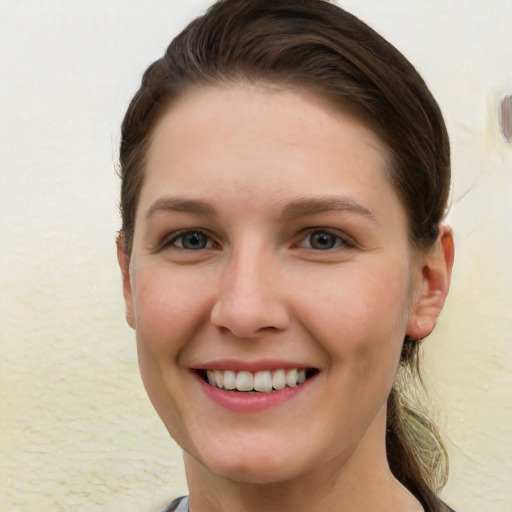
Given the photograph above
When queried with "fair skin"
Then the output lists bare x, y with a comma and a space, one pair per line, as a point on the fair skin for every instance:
267, 239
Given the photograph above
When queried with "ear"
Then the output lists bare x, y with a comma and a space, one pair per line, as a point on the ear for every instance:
124, 265
436, 272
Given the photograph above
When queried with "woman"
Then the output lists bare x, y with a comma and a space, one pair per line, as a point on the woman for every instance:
285, 173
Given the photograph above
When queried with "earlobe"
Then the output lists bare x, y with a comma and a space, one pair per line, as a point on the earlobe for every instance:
436, 271
124, 265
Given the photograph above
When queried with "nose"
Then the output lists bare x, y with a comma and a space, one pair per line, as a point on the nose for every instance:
250, 299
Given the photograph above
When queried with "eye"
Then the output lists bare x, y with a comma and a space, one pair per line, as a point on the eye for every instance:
191, 241
323, 240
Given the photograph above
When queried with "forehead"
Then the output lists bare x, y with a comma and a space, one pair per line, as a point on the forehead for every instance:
292, 108
262, 145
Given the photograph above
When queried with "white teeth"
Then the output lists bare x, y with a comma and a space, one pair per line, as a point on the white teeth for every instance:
210, 375
244, 381
229, 379
279, 380
292, 377
219, 378
264, 381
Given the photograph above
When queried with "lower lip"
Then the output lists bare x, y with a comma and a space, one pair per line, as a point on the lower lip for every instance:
252, 402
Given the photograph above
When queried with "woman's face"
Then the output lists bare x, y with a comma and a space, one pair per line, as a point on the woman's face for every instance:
269, 248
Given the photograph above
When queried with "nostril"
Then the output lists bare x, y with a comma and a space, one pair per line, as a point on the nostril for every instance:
249, 320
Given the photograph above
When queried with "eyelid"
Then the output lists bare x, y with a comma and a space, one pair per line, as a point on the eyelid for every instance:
346, 242
169, 240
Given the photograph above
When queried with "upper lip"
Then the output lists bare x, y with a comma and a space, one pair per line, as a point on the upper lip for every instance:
250, 366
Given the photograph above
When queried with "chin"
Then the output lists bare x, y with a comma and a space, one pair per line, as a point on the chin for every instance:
252, 474
263, 466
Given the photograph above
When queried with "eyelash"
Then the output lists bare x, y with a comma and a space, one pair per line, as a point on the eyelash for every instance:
339, 241
171, 242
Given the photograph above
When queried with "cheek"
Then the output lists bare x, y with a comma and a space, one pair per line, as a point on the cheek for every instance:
169, 307
360, 312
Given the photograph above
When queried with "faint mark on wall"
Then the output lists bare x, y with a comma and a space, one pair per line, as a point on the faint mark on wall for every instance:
505, 117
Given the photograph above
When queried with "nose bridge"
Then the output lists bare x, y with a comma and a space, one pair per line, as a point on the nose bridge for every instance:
249, 299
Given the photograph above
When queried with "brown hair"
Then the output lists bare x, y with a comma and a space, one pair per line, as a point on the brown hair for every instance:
315, 45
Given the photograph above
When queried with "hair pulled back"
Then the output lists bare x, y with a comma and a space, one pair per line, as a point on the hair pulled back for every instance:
315, 45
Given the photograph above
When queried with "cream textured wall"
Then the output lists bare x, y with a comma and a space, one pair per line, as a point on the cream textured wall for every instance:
76, 429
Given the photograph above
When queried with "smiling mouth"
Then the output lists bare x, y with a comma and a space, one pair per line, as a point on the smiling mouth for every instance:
265, 381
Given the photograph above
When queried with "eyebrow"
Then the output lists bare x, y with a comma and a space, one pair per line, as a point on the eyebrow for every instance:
299, 207
312, 205
178, 204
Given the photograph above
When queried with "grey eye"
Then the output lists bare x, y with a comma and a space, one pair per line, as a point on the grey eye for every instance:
192, 241
323, 240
